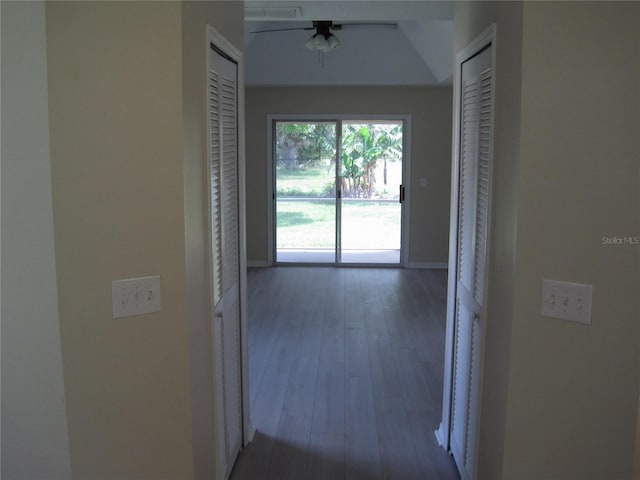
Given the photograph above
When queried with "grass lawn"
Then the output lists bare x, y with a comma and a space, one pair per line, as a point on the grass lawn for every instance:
366, 224
319, 181
307, 182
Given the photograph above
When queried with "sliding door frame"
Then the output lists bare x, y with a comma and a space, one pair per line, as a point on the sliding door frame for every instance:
406, 180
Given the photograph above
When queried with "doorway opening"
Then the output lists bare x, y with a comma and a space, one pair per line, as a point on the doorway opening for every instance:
338, 193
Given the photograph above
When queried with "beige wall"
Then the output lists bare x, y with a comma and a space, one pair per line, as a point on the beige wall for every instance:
560, 399
227, 19
34, 442
127, 89
573, 389
430, 108
115, 86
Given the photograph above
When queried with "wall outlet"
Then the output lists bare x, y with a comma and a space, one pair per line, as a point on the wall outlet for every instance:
135, 296
567, 301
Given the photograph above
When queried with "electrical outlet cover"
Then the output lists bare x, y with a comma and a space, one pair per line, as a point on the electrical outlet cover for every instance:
135, 296
566, 301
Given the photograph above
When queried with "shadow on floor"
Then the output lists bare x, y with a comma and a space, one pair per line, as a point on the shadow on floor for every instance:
268, 458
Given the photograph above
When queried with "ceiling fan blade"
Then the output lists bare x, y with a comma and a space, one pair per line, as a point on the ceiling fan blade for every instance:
366, 26
283, 29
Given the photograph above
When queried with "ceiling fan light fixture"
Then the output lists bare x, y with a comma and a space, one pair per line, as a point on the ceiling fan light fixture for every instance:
318, 42
311, 42
325, 43
332, 43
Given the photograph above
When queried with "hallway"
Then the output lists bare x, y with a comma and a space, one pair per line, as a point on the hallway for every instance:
345, 374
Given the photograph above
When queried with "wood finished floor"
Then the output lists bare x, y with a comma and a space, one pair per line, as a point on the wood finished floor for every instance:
346, 370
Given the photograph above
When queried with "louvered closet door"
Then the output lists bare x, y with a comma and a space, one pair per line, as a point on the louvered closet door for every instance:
474, 148
223, 124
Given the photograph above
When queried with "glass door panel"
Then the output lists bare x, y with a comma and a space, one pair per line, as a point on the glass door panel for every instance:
305, 194
371, 179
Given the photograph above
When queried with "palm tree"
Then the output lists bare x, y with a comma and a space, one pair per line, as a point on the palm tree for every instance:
362, 146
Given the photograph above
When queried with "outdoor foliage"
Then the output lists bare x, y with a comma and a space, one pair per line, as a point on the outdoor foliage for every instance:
301, 145
311, 146
311, 182
362, 146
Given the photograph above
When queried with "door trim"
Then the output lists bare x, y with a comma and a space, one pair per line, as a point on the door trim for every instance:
485, 39
212, 36
406, 179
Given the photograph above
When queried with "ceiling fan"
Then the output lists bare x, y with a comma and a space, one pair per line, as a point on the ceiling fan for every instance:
323, 40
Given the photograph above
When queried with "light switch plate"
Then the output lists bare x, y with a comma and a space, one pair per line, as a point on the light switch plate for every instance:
567, 301
135, 296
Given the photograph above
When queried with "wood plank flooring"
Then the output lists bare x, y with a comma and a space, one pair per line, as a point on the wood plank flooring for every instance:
346, 370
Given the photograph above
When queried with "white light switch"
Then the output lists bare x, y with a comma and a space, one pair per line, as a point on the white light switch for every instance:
567, 301
135, 296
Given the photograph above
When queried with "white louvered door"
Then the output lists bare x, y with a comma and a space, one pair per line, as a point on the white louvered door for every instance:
225, 264
473, 209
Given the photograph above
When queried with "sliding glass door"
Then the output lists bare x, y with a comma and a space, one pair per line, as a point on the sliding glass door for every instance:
371, 179
338, 191
305, 194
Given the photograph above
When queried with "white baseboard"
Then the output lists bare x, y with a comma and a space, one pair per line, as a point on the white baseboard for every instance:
250, 432
440, 437
432, 265
257, 263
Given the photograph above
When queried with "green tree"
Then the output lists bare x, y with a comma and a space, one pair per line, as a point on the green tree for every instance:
362, 146
299, 144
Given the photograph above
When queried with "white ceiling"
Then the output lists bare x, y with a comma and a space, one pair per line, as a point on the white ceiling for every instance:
418, 52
